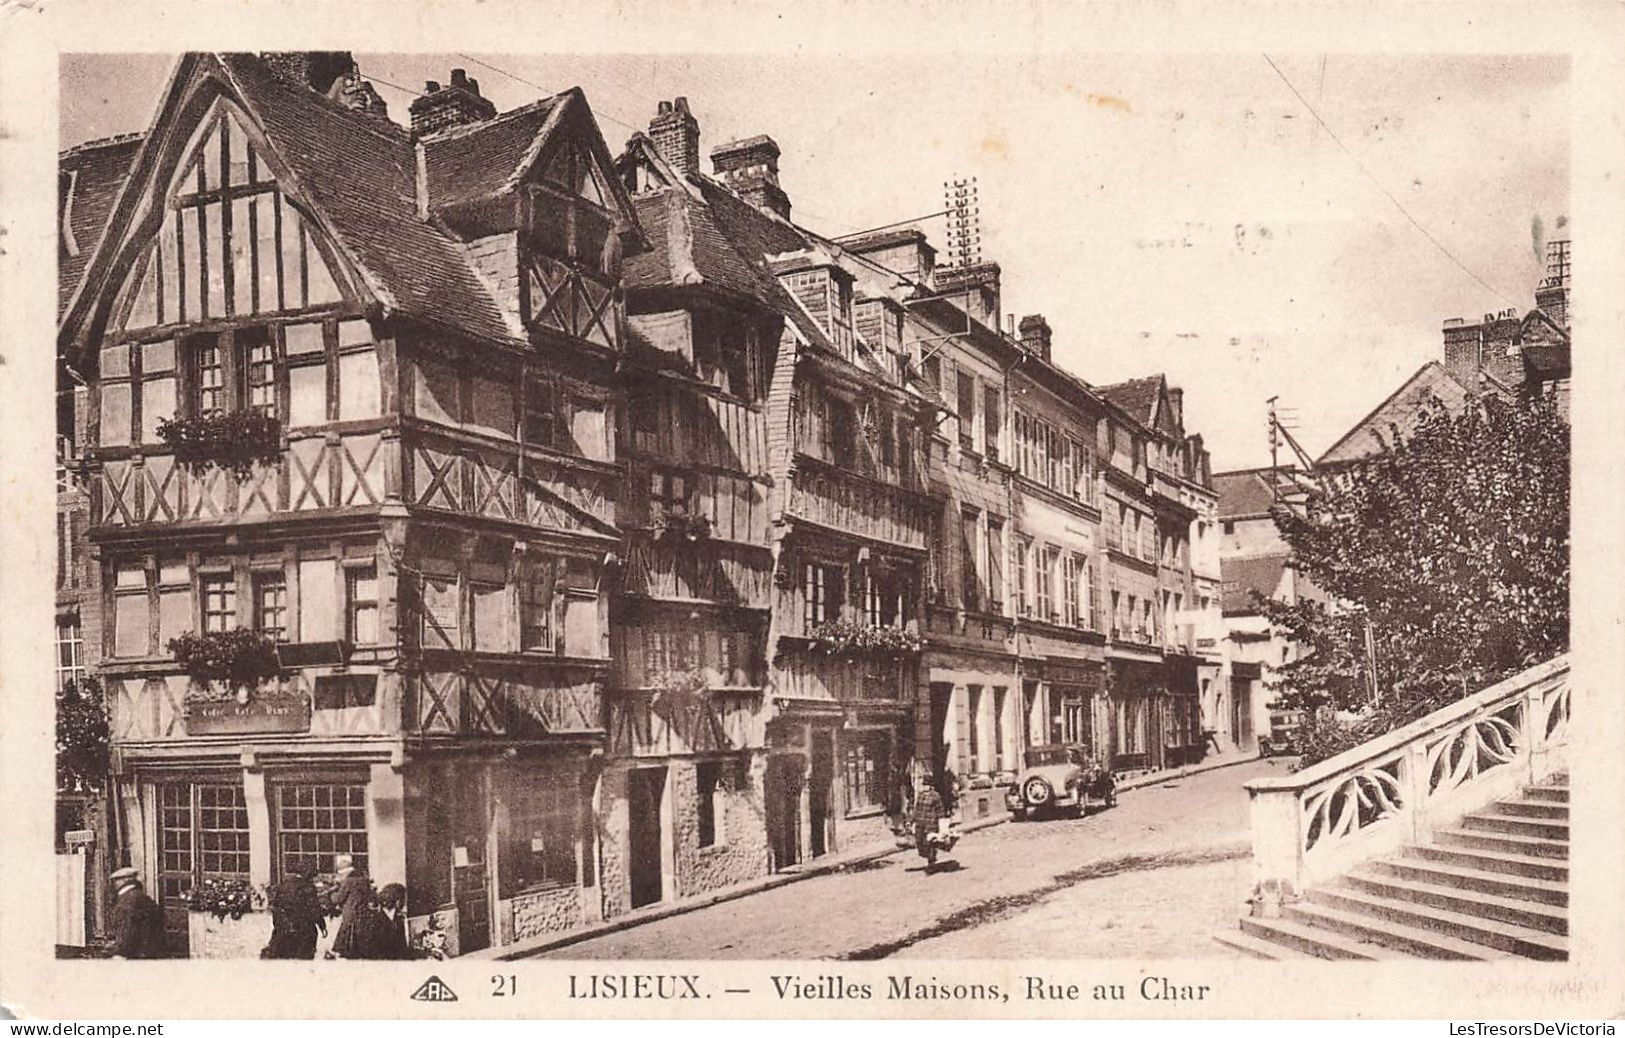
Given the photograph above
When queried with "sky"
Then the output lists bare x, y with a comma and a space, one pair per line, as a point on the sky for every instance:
1177, 213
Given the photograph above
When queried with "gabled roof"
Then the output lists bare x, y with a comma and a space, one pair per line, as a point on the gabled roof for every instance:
93, 173
1243, 493
489, 157
1371, 434
1242, 577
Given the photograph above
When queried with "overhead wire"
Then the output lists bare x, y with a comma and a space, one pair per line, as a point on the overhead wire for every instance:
1383, 187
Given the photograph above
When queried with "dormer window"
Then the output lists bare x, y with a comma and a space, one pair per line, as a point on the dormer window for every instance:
574, 251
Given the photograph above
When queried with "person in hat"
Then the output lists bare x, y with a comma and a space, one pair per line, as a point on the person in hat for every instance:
388, 937
138, 922
356, 904
928, 808
296, 917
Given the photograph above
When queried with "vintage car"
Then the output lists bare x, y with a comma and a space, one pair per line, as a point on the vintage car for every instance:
1058, 778
1279, 740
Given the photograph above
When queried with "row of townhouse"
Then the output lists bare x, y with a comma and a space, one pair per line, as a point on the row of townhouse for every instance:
619, 538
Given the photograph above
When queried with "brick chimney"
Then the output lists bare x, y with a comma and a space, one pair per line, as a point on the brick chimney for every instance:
314, 70
1035, 335
676, 136
982, 281
454, 104
751, 167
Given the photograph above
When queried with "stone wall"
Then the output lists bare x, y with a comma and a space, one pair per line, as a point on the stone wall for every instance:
541, 912
866, 831
611, 815
740, 850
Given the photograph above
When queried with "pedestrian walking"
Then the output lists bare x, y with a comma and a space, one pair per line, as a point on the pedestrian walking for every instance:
356, 903
296, 917
928, 812
387, 939
138, 922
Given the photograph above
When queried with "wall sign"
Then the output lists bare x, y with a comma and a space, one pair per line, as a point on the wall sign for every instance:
261, 714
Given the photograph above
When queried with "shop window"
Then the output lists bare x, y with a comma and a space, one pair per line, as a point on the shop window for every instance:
219, 592
271, 605
540, 848
316, 822
361, 600
866, 767
706, 776
202, 834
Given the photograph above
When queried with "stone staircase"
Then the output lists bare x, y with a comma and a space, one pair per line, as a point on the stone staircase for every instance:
1496, 885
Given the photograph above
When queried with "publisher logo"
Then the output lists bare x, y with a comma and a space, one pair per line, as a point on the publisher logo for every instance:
434, 990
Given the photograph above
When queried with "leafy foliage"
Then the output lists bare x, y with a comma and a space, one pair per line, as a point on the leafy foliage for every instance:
679, 526
1448, 554
851, 638
234, 441
239, 657
81, 736
223, 897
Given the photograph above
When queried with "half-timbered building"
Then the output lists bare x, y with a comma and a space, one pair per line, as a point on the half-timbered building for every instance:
418, 330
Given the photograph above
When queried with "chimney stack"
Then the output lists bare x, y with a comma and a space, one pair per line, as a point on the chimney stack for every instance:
980, 282
751, 167
676, 136
1035, 335
1176, 402
455, 104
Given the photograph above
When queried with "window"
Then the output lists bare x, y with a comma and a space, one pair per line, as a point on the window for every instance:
589, 428
1069, 590
931, 367
820, 593
202, 834
992, 418
361, 599
1043, 585
540, 850
840, 432
706, 774
970, 558
208, 376
967, 411
219, 601
995, 564
259, 370
1019, 564
70, 650
271, 605
668, 495
131, 613
541, 423
865, 767
441, 626
536, 606
316, 822
158, 394
1048, 576
1083, 473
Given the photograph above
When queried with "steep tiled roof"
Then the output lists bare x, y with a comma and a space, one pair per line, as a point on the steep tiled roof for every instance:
1243, 493
485, 158
97, 172
1401, 410
1136, 396
361, 175
1244, 576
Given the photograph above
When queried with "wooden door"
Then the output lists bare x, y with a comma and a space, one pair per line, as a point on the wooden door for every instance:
782, 785
819, 791
470, 878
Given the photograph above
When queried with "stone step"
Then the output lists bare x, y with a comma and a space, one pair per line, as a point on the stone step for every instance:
1554, 870
1526, 807
1396, 936
1550, 828
1519, 912
1556, 794
1490, 934
1458, 877
1258, 947
1311, 941
1531, 846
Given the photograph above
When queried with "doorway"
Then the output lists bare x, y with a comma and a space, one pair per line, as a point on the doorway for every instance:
645, 789
782, 785
942, 700
819, 792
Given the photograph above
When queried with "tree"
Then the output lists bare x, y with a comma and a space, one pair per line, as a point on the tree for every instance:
1446, 558
81, 737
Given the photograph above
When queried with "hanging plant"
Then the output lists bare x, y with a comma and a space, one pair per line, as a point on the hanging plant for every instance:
233, 441
239, 658
223, 897
848, 638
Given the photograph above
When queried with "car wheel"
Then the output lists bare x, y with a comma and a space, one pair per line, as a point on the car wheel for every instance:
1036, 792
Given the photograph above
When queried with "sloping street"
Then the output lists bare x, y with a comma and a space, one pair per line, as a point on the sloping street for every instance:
1154, 876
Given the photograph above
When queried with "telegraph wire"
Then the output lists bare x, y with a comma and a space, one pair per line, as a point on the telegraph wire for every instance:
1381, 187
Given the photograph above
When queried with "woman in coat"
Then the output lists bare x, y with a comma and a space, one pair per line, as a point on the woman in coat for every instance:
356, 904
296, 917
388, 937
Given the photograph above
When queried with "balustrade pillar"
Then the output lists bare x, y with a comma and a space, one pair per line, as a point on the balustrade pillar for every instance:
1277, 849
1414, 780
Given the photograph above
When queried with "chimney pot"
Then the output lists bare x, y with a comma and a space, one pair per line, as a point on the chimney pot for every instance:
430, 86
459, 77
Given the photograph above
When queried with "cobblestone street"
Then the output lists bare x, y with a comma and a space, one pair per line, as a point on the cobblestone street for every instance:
1153, 877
